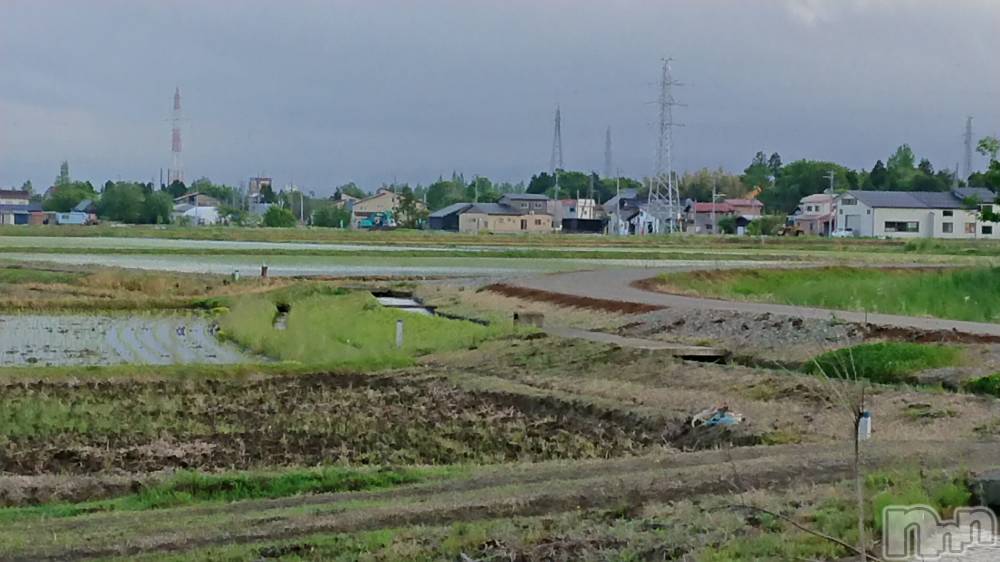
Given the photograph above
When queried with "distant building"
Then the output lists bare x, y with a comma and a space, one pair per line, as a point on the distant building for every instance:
746, 207
585, 209
196, 215
500, 218
700, 217
383, 201
14, 197
816, 214
532, 203
448, 217
917, 214
16, 208
197, 199
255, 186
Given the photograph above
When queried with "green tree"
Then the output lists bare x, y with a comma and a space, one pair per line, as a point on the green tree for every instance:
64, 197
442, 193
774, 164
176, 189
353, 190
26, 186
758, 173
879, 176
768, 225
901, 168
727, 225
331, 217
989, 146
124, 202
410, 213
799, 179
279, 217
157, 206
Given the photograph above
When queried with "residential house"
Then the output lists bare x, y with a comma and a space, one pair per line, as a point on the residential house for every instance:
196, 216
383, 201
500, 218
746, 207
448, 217
816, 214
582, 216
622, 211
703, 218
533, 203
16, 208
88, 208
197, 199
343, 201
917, 214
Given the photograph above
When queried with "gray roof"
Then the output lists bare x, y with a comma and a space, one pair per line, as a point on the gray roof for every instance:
920, 199
493, 209
20, 209
84, 206
450, 209
983, 194
532, 196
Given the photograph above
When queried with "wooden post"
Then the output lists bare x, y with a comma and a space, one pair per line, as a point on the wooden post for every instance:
399, 334
263, 271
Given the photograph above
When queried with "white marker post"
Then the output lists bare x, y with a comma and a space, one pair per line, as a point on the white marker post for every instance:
399, 334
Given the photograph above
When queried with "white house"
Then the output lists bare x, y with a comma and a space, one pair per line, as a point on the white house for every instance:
917, 214
199, 216
816, 214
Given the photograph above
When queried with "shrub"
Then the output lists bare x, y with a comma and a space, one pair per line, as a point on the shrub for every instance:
989, 384
886, 362
279, 217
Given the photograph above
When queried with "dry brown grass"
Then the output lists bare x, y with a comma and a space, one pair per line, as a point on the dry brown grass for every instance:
466, 301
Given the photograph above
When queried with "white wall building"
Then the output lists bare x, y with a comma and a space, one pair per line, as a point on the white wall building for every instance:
916, 214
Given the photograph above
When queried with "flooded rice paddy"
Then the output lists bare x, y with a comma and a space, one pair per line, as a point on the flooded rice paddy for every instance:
69, 339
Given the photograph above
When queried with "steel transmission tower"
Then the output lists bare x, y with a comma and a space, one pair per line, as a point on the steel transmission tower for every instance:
176, 171
664, 197
556, 162
968, 147
608, 165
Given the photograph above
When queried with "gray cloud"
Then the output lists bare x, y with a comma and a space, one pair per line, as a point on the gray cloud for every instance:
326, 92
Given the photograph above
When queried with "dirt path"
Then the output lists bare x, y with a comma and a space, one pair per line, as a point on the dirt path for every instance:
522, 490
675, 349
619, 285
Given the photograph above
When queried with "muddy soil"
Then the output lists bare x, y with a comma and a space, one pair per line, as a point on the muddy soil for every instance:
136, 427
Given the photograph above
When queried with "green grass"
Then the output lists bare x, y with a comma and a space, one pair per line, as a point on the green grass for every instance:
988, 385
16, 275
960, 294
837, 517
330, 327
191, 487
886, 362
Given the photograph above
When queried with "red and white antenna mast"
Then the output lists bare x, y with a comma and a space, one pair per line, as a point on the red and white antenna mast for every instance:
176, 171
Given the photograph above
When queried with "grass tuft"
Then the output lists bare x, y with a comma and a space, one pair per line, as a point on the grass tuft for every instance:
885, 362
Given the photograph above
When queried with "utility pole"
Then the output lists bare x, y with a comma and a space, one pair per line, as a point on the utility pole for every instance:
476, 190
968, 147
608, 169
831, 176
715, 186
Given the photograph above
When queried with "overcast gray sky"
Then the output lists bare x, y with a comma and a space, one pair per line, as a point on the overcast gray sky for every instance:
323, 92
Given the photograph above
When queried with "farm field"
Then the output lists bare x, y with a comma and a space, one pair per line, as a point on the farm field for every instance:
960, 294
66, 339
490, 441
